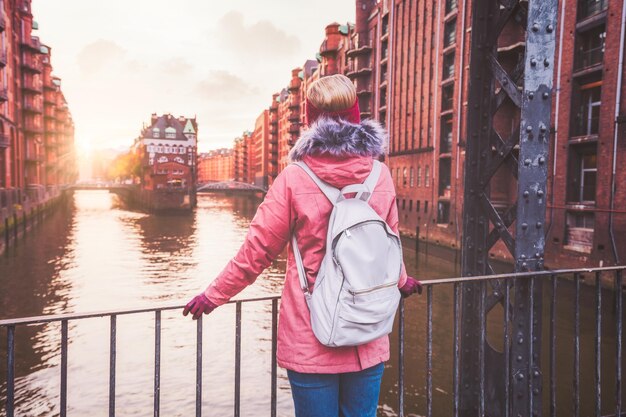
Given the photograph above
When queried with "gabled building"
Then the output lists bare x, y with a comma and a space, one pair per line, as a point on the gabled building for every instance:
167, 150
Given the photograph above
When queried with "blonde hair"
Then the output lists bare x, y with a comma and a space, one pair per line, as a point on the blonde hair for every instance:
332, 93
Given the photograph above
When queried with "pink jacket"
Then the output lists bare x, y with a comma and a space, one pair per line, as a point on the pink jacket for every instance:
294, 204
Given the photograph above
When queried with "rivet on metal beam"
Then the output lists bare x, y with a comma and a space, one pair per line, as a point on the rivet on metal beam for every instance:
533, 62
546, 95
546, 63
541, 160
539, 193
527, 162
543, 128
531, 95
524, 226
529, 128
526, 194
550, 29
538, 225
536, 27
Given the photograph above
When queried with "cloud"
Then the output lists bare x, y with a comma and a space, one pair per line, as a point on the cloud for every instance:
176, 66
98, 55
222, 86
260, 39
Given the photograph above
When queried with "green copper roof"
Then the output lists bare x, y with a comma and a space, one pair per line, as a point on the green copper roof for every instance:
318, 56
189, 127
35, 25
301, 75
44, 50
344, 29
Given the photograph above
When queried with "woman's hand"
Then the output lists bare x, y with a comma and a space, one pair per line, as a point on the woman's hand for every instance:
200, 304
411, 286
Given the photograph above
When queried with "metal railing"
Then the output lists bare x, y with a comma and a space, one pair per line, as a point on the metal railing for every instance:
586, 58
503, 284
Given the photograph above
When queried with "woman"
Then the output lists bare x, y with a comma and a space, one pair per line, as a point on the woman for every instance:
339, 148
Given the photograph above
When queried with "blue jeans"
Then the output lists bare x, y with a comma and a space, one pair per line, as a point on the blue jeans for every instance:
351, 394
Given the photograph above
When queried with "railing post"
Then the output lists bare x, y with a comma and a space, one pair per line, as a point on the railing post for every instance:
401, 359
112, 359
199, 367
10, 371
64, 336
274, 361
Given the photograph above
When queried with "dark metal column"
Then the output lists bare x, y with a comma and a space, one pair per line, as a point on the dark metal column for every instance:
516, 87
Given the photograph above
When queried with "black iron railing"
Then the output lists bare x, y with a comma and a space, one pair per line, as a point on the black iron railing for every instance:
491, 287
586, 58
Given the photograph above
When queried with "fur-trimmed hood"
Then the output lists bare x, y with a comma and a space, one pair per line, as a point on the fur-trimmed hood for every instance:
340, 138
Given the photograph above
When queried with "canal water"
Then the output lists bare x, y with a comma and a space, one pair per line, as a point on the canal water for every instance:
95, 254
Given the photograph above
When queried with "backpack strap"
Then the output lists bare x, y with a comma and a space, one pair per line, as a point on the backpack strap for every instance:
329, 191
304, 284
371, 181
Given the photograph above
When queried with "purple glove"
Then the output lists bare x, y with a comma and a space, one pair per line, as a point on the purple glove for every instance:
200, 304
411, 286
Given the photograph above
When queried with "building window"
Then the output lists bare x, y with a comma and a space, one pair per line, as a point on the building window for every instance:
404, 177
445, 144
419, 176
427, 176
448, 65
403, 204
156, 132
411, 177
587, 8
579, 231
451, 5
444, 177
586, 109
449, 33
425, 206
590, 48
397, 177
447, 97
410, 205
417, 206
443, 212
583, 171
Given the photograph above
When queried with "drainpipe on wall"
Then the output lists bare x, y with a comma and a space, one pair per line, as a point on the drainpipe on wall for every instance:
458, 122
555, 148
618, 98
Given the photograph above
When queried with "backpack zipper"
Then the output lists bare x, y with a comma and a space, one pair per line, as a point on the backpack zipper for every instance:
354, 293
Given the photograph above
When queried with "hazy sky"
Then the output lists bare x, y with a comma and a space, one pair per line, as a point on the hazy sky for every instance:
121, 60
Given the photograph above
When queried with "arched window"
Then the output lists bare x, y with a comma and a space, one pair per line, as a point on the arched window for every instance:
156, 132
404, 177
170, 133
411, 178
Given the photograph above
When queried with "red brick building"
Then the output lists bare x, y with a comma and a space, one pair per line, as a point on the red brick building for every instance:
259, 150
216, 166
414, 56
167, 151
36, 128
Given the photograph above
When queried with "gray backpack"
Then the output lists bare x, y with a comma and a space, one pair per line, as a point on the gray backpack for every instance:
355, 295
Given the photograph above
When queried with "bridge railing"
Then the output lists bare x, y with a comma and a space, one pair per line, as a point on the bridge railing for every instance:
606, 391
